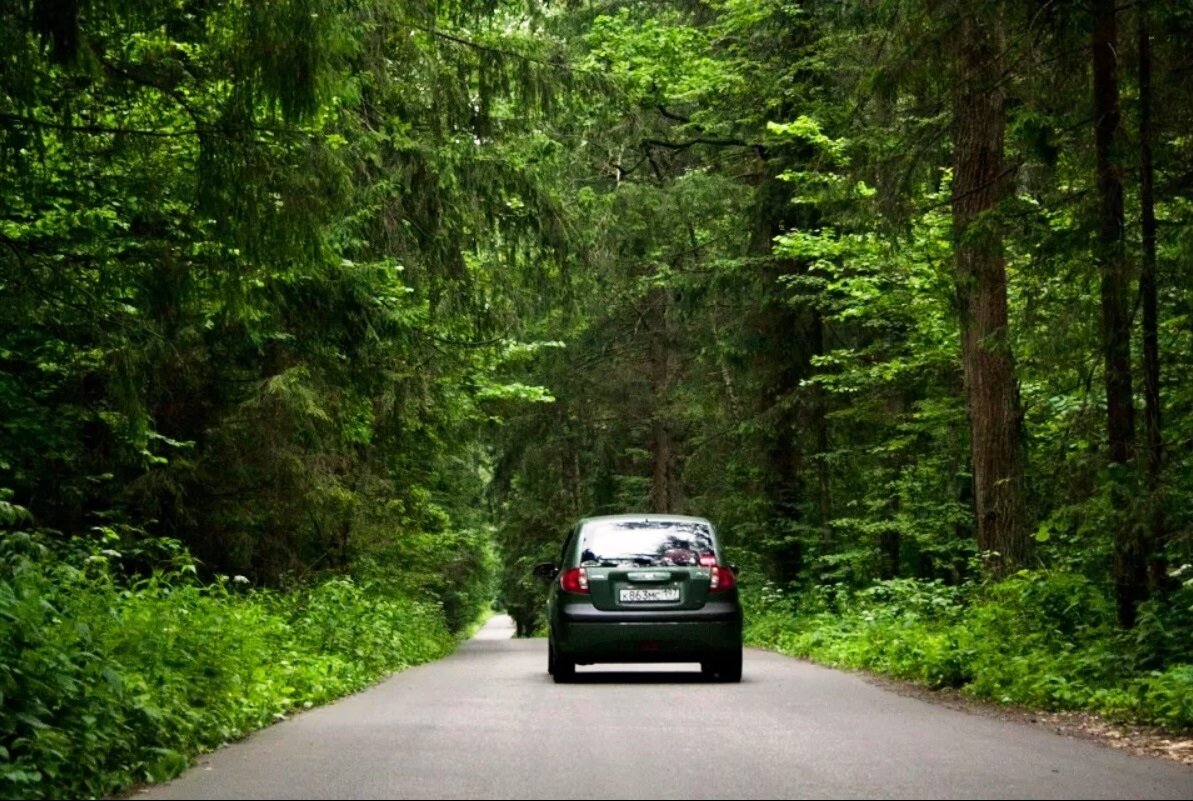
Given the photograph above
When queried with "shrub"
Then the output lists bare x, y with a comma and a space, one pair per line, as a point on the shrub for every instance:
106, 683
1040, 638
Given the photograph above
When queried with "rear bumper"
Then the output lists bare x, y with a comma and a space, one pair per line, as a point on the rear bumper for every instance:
712, 612
587, 635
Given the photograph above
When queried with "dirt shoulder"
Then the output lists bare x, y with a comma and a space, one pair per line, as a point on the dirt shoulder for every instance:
1140, 740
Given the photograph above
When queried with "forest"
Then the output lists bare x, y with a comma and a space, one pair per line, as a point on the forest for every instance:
321, 322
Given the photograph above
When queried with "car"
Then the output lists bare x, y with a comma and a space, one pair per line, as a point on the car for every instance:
642, 588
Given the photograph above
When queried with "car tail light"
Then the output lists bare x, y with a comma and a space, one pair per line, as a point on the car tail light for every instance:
721, 579
574, 580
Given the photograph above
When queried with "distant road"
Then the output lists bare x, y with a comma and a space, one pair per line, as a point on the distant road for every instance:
488, 722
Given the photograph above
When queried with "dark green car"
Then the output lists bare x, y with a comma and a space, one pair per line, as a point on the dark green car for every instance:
643, 588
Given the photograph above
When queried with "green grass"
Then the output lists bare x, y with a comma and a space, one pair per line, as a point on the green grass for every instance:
106, 684
1040, 639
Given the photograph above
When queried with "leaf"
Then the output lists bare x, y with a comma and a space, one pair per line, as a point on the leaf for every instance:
31, 721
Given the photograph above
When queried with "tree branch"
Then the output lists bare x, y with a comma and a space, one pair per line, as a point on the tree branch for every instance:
151, 132
671, 115
499, 51
700, 140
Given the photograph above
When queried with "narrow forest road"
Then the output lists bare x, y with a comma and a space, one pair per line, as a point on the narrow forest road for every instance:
488, 722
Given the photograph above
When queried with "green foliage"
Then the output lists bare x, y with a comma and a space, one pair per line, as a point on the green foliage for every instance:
767, 197
1039, 639
106, 683
255, 268
455, 570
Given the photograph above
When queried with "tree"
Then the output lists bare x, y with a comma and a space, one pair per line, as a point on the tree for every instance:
1130, 553
980, 185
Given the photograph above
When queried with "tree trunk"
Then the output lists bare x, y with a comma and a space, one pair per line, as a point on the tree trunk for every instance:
1130, 567
572, 472
1116, 343
782, 361
979, 184
889, 545
1157, 567
824, 498
735, 412
664, 484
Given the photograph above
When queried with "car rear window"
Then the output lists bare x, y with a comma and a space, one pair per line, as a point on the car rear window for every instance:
645, 542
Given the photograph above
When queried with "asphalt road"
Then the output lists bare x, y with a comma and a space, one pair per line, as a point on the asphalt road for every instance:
488, 722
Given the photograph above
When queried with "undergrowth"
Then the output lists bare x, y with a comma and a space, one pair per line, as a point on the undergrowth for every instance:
1041, 639
107, 681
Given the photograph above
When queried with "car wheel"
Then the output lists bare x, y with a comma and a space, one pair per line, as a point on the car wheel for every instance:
564, 669
729, 668
723, 668
550, 658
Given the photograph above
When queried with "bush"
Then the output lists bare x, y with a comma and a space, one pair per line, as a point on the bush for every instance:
455, 568
105, 683
1040, 638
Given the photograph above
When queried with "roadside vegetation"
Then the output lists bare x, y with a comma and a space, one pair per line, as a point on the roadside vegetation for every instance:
1044, 640
120, 664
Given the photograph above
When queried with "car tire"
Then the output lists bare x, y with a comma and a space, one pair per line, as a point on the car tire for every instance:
563, 669
725, 669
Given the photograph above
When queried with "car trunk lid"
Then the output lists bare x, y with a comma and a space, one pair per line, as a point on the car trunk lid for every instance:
633, 588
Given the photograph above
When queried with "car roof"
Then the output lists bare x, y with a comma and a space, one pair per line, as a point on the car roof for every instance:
645, 516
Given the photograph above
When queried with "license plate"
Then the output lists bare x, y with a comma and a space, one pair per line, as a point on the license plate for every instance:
650, 596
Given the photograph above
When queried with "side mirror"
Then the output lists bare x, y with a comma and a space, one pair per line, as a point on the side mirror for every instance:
545, 571
734, 568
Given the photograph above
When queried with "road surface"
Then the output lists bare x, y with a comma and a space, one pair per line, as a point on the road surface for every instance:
487, 722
